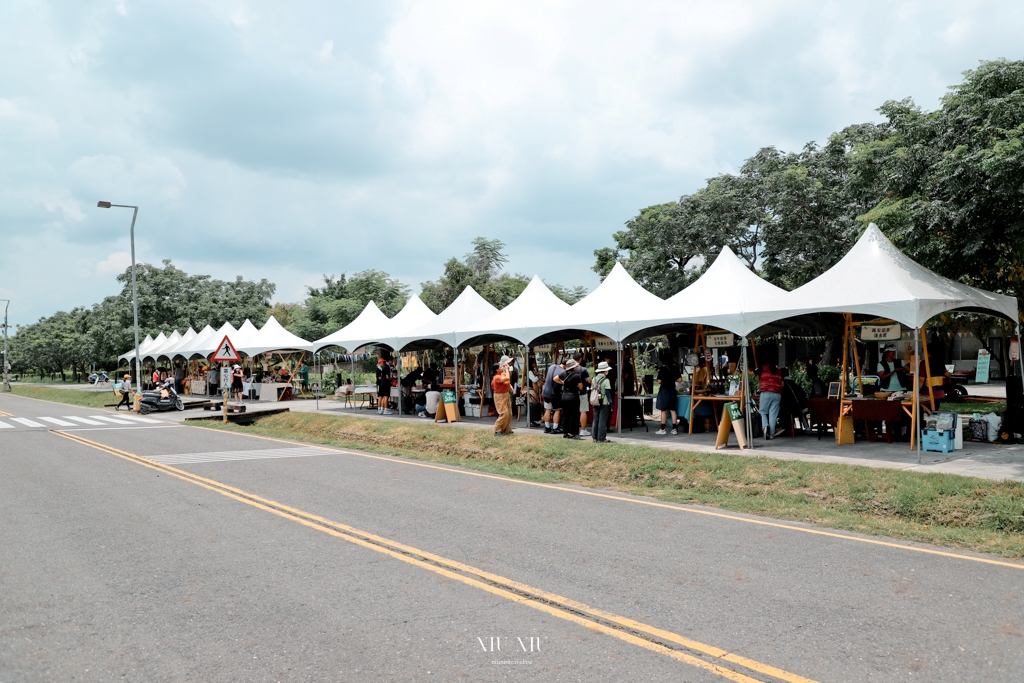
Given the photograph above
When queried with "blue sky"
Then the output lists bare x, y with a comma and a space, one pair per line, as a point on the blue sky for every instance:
287, 140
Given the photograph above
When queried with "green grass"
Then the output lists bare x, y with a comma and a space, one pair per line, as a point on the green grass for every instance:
90, 399
971, 407
943, 509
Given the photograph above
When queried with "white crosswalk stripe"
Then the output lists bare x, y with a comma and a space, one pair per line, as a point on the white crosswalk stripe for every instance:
187, 458
83, 420
4, 425
58, 422
115, 420
133, 418
27, 422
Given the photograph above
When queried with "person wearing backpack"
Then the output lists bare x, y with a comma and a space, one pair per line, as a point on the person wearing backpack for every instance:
601, 400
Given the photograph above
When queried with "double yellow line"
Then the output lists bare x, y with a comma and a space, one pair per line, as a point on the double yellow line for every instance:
707, 657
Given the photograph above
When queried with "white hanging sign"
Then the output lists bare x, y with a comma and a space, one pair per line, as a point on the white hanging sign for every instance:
720, 341
604, 344
879, 333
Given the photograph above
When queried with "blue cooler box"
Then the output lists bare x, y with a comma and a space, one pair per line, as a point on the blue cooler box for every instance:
939, 435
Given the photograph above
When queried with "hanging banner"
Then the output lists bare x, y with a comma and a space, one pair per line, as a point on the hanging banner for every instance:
880, 333
1014, 349
720, 341
542, 348
604, 344
984, 360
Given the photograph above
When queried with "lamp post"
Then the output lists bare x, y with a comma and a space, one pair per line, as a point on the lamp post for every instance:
135, 297
7, 364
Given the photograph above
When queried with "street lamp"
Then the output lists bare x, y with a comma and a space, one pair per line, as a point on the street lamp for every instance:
7, 364
135, 297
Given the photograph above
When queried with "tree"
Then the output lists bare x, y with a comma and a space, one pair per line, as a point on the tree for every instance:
339, 301
481, 270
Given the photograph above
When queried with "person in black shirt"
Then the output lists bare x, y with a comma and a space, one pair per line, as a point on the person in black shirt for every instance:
383, 386
571, 386
667, 399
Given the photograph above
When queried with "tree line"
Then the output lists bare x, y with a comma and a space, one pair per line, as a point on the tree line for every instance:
73, 342
946, 186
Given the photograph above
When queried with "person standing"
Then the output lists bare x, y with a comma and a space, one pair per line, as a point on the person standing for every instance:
892, 374
213, 380
667, 401
602, 408
723, 365
770, 384
236, 381
126, 393
304, 376
383, 386
501, 386
571, 386
552, 396
584, 393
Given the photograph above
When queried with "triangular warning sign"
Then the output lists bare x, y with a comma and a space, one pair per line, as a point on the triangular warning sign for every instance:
226, 352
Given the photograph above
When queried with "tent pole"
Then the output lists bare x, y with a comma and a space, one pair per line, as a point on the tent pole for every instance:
352, 358
618, 386
399, 366
747, 398
525, 381
917, 395
927, 366
1020, 356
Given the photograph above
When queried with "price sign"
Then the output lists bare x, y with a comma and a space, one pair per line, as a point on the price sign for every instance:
719, 341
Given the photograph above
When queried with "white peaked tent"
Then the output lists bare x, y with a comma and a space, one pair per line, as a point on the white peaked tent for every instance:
465, 311
875, 278
244, 334
272, 337
370, 324
156, 351
618, 308
535, 306
172, 351
413, 316
187, 350
144, 346
728, 296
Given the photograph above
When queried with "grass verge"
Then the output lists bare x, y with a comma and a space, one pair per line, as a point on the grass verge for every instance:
943, 509
76, 397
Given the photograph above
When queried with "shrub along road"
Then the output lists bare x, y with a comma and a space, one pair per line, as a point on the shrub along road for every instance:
155, 552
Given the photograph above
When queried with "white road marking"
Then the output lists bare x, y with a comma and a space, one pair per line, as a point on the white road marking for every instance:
83, 420
186, 458
4, 425
132, 418
58, 422
27, 422
115, 420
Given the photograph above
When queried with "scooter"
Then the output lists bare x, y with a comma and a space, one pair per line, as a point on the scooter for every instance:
96, 378
164, 398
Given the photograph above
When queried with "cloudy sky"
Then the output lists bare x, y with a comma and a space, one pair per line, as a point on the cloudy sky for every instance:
287, 140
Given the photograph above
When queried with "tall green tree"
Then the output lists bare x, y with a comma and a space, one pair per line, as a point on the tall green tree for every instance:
340, 300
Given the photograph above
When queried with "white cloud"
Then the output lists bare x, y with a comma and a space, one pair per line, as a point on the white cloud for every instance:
114, 264
419, 125
326, 50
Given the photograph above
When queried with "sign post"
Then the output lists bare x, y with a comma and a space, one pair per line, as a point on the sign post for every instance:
225, 354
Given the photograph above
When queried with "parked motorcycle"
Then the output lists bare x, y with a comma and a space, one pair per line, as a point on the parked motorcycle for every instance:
98, 377
162, 399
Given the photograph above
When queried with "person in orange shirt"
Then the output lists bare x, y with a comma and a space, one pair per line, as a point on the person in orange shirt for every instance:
501, 385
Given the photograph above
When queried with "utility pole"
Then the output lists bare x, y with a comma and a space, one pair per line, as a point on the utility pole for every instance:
7, 363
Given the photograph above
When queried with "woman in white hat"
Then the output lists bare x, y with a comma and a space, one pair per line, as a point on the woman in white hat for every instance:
602, 392
236, 381
571, 387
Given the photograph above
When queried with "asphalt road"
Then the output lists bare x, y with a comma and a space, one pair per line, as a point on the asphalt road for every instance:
217, 556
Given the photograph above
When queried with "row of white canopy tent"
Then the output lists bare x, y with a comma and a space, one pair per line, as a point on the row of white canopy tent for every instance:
874, 278
246, 339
